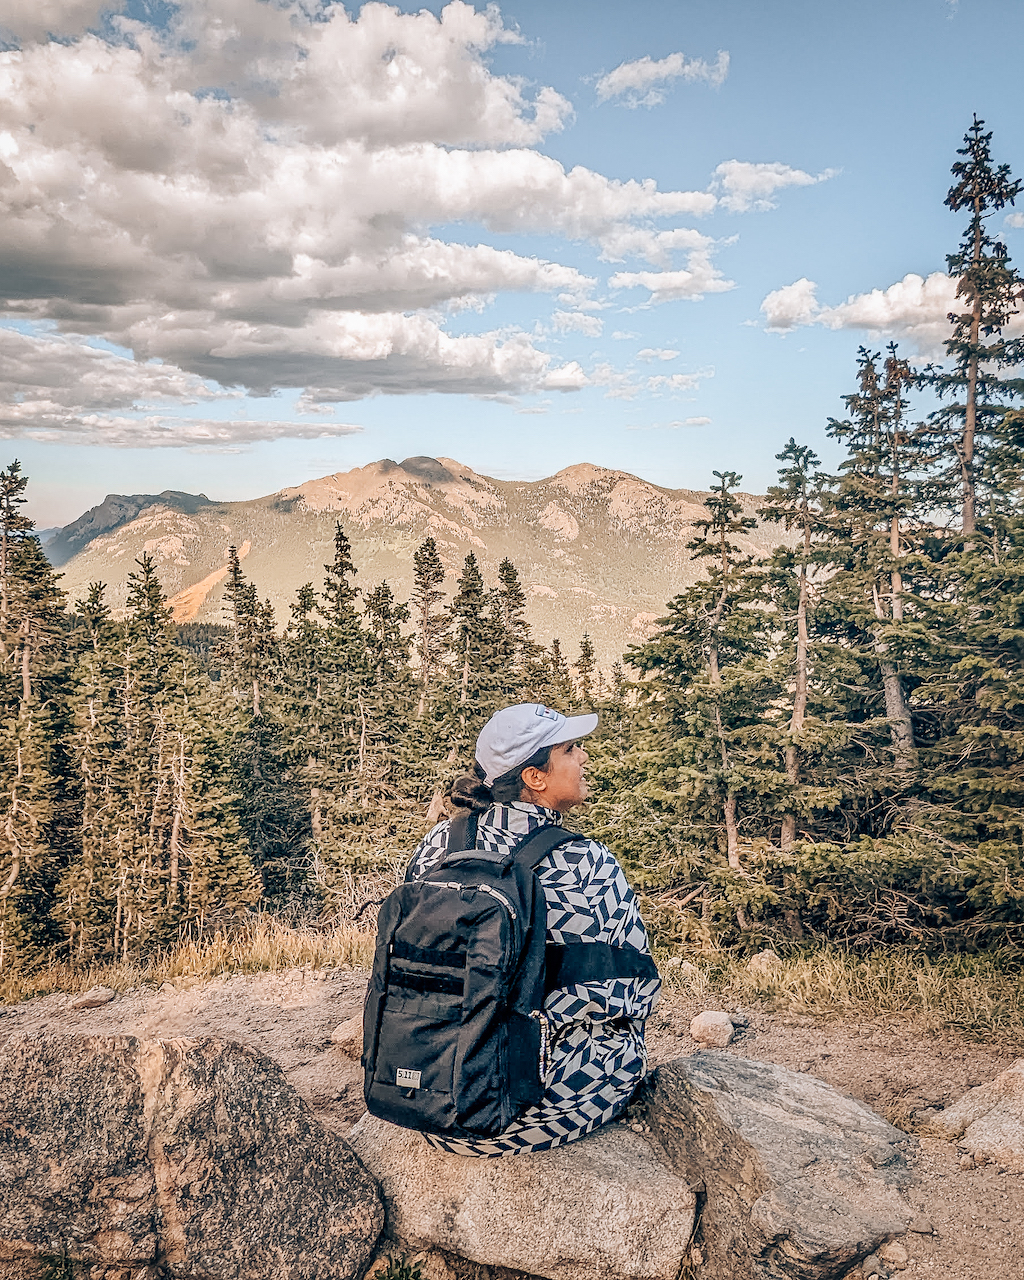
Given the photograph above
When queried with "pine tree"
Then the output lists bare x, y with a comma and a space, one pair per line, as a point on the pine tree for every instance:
161, 852
271, 804
523, 670
252, 650
432, 624
976, 456
477, 648
795, 503
37, 799
875, 504
557, 677
584, 667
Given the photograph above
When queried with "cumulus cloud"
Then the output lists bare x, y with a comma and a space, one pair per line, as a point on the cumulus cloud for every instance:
258, 195
621, 385
791, 306
701, 276
249, 194
37, 19
1015, 220
745, 186
656, 353
578, 322
639, 83
914, 308
54, 387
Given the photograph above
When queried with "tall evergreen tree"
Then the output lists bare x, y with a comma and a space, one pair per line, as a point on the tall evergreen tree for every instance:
795, 503
37, 798
432, 624
584, 667
161, 852
977, 459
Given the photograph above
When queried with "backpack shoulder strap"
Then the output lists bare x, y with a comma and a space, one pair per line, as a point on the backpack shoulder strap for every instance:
533, 848
461, 835
462, 831
579, 962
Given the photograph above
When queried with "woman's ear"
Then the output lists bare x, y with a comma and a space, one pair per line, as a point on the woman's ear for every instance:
534, 779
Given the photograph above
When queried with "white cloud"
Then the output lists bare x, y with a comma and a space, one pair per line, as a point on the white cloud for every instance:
620, 384
675, 382
157, 431
914, 308
570, 377
656, 353
668, 426
791, 306
1014, 220
745, 186
578, 322
636, 82
624, 335
279, 232
656, 246
54, 387
700, 277
36, 19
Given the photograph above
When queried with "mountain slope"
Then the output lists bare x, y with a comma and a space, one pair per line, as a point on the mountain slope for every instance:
597, 550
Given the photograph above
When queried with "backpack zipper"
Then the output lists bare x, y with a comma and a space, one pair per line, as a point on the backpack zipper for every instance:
496, 893
545, 1026
481, 888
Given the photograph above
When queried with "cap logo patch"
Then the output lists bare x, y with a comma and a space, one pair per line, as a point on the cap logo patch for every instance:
547, 713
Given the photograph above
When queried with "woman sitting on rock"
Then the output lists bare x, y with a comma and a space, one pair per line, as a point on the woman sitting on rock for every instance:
529, 772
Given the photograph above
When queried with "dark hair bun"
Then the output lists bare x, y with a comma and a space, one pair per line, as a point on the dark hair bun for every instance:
469, 792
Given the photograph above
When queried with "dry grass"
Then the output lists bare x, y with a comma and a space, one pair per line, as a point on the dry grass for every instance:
979, 995
262, 945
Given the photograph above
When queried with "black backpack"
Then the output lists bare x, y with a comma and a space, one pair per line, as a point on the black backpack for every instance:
454, 1035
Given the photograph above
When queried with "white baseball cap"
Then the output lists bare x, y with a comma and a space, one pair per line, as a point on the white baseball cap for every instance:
512, 735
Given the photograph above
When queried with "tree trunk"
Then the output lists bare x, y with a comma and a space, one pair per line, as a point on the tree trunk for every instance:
26, 660
968, 520
901, 726
732, 835
796, 721
179, 805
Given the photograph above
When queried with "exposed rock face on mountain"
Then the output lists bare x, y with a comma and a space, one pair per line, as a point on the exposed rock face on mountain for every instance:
597, 550
115, 511
153, 1160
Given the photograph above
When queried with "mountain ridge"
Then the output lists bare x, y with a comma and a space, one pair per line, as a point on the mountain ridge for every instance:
597, 549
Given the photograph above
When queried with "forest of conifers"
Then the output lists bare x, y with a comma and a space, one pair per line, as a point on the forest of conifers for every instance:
827, 742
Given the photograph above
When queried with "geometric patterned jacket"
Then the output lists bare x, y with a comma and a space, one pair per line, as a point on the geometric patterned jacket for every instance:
596, 1054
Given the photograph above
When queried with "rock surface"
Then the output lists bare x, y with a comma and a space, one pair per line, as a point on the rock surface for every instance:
603, 1206
196, 1154
800, 1180
988, 1120
766, 961
713, 1029
348, 1037
91, 999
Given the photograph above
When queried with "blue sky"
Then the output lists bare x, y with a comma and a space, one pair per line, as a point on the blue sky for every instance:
209, 234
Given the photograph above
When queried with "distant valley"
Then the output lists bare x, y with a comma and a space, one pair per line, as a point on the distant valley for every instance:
597, 550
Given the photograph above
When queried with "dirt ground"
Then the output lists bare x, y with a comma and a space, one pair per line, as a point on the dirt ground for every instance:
976, 1215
